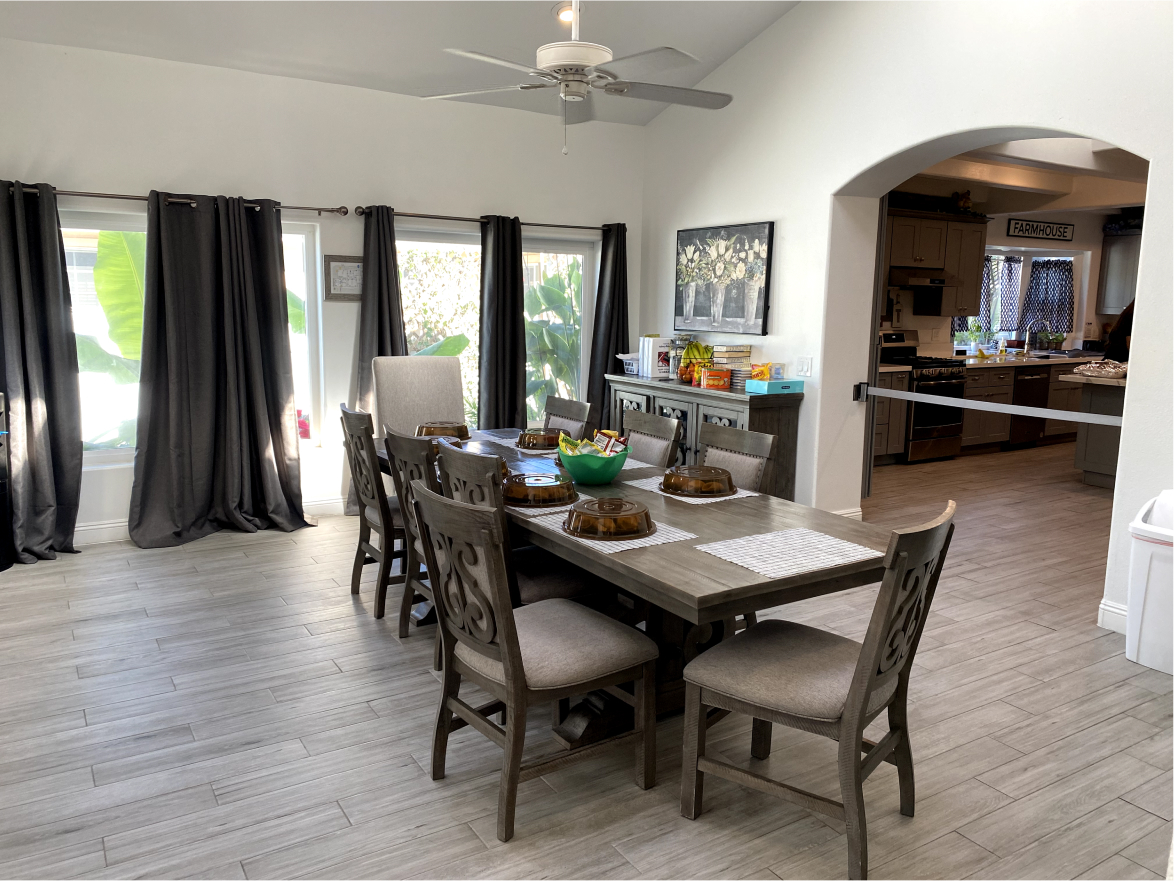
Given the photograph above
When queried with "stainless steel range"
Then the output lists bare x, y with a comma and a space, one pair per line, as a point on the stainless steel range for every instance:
933, 431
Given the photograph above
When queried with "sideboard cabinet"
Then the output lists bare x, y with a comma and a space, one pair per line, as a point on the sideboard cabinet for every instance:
769, 414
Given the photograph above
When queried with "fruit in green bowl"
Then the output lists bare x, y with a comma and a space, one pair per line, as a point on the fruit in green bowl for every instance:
593, 470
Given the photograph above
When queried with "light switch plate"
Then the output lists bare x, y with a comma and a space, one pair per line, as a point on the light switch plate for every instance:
804, 367
935, 334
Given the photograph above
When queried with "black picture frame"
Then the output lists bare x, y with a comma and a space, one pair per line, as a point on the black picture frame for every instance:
737, 300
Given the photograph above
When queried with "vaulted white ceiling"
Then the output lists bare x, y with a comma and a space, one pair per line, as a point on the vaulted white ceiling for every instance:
398, 46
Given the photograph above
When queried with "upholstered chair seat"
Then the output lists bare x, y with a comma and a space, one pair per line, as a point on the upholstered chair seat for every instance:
790, 668
564, 645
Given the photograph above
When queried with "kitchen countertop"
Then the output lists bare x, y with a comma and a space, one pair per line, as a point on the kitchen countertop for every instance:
1004, 361
1093, 380
895, 368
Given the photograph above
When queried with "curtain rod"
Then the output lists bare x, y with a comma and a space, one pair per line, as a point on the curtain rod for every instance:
342, 210
360, 211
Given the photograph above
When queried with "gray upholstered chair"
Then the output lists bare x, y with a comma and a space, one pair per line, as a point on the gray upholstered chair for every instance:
376, 512
540, 575
823, 683
652, 439
411, 459
522, 657
745, 454
573, 417
410, 390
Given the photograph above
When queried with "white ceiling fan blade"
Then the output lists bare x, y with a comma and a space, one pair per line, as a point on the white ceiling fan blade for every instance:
645, 63
670, 94
524, 87
501, 62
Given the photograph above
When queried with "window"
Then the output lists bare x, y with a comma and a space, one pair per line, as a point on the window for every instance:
440, 288
555, 342
105, 258
296, 246
105, 263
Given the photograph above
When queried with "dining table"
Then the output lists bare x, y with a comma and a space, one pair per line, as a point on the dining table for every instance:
689, 599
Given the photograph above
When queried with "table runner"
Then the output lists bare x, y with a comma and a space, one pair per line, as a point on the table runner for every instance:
789, 552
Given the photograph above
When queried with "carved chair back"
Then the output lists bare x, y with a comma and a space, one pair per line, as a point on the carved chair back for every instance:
913, 564
573, 417
651, 438
745, 454
358, 436
471, 477
465, 548
411, 459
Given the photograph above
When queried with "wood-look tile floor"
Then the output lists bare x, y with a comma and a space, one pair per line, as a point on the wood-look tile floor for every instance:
227, 709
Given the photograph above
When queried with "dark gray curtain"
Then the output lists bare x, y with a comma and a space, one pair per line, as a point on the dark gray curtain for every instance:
39, 358
502, 400
610, 333
381, 316
217, 443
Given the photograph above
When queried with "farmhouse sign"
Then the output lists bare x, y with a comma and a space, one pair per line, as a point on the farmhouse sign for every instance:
1040, 229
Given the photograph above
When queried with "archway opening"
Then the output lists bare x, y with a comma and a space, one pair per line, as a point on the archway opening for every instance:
1035, 495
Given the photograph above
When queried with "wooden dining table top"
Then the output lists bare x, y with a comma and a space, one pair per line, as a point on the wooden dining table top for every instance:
675, 576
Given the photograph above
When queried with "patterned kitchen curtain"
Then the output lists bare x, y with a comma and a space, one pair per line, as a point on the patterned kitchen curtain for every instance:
1000, 287
1050, 295
1009, 277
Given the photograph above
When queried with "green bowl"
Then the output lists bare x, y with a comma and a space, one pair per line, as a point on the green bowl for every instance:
593, 470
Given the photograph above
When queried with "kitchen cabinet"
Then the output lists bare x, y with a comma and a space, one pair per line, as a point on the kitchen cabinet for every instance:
1061, 396
995, 386
917, 242
769, 414
1118, 282
964, 256
890, 416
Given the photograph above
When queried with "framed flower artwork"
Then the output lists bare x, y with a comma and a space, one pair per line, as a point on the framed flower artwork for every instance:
723, 278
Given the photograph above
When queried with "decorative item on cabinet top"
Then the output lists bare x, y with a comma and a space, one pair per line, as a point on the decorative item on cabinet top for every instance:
769, 414
723, 278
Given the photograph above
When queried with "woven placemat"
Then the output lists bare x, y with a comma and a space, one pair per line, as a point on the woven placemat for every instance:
652, 484
664, 535
789, 552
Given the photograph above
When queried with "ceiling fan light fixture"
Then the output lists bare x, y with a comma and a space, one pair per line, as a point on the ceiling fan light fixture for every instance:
563, 12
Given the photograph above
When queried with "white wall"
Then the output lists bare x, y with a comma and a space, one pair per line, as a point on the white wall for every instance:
836, 104
104, 122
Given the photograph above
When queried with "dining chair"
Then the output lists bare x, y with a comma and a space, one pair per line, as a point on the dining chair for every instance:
411, 390
652, 439
536, 654
376, 513
745, 454
823, 683
573, 417
411, 459
536, 574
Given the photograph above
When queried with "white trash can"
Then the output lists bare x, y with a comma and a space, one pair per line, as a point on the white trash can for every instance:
1149, 628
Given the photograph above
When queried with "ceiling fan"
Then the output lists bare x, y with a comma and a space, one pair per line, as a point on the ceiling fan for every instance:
578, 70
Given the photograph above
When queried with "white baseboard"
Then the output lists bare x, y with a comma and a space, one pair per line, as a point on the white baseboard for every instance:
100, 531
1112, 616
851, 513
323, 507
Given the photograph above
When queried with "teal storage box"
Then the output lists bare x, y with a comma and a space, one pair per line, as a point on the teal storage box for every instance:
773, 386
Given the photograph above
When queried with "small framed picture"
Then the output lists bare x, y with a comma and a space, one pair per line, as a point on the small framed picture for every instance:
343, 278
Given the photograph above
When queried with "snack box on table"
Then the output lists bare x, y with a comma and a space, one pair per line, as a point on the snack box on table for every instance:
773, 386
